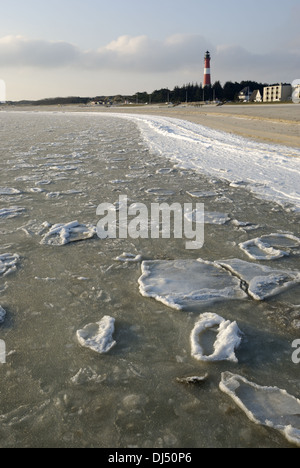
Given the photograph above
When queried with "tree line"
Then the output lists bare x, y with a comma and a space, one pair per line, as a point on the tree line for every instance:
194, 92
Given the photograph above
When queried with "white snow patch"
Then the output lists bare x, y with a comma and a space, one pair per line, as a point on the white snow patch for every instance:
181, 283
98, 336
228, 338
62, 234
267, 406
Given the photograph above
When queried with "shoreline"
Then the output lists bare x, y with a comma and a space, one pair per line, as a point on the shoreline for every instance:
276, 123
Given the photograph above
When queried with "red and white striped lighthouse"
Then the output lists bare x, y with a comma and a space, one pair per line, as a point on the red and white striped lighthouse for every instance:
207, 76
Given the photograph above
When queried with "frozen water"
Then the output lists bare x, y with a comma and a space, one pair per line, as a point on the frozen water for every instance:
2, 314
209, 217
262, 282
268, 247
62, 234
227, 341
98, 336
12, 212
268, 406
8, 263
179, 283
129, 257
9, 191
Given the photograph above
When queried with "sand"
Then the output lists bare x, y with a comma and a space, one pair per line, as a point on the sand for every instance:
272, 123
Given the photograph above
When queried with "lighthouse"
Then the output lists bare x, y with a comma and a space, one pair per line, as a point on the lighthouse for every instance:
207, 77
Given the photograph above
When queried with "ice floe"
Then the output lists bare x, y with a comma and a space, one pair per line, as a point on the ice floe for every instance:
227, 341
98, 336
12, 212
210, 217
8, 263
267, 406
270, 247
261, 282
160, 191
193, 380
9, 191
181, 283
62, 234
2, 314
128, 257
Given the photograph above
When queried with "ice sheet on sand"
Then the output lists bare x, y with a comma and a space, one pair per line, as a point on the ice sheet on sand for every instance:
268, 406
62, 234
9, 191
227, 341
12, 212
2, 314
8, 263
181, 283
210, 217
270, 171
270, 247
98, 336
261, 282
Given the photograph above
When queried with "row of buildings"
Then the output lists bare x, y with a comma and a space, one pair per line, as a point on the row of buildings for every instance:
276, 93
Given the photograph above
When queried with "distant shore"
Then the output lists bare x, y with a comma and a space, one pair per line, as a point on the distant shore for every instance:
276, 123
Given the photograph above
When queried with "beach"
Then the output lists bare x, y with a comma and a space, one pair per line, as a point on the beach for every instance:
113, 338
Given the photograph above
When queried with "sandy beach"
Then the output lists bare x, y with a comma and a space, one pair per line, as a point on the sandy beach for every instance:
277, 123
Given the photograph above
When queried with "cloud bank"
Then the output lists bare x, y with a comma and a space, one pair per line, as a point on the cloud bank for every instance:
141, 54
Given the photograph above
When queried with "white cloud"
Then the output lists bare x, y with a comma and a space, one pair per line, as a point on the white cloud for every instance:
140, 55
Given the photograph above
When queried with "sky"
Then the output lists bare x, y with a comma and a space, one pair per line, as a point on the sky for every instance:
106, 47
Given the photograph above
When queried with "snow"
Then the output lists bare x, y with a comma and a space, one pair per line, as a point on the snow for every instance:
268, 247
228, 338
180, 283
270, 171
261, 281
267, 406
62, 234
98, 336
2, 314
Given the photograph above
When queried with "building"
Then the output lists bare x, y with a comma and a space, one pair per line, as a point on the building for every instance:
277, 93
256, 96
207, 74
245, 94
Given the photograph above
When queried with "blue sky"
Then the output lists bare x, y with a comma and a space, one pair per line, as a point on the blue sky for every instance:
94, 47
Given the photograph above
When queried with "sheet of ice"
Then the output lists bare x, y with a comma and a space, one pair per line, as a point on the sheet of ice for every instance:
201, 194
9, 191
267, 406
268, 247
12, 212
62, 234
210, 217
8, 263
160, 191
261, 282
271, 171
98, 336
2, 314
182, 283
227, 341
